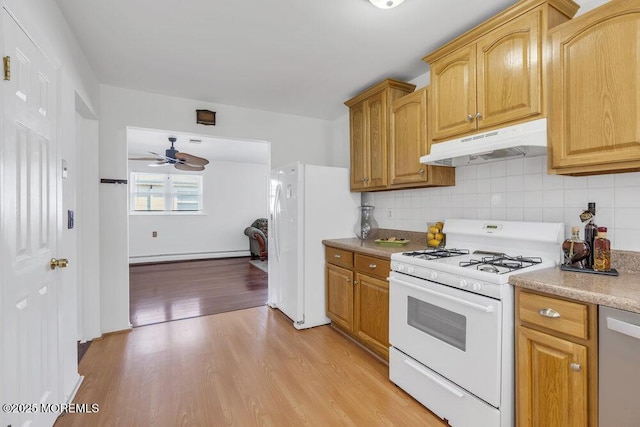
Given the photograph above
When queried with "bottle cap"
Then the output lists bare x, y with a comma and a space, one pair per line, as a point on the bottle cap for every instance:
591, 206
602, 229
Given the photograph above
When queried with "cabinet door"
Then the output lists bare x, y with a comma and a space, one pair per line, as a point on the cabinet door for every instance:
372, 313
453, 92
409, 139
551, 381
377, 141
509, 71
340, 296
359, 162
595, 91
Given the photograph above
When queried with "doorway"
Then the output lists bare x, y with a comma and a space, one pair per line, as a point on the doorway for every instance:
188, 256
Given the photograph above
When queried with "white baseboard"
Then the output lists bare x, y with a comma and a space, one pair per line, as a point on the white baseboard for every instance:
75, 389
186, 256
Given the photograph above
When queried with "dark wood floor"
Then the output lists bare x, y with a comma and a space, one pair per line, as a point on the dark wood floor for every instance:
180, 290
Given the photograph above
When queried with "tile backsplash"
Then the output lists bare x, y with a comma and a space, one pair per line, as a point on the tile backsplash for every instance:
519, 190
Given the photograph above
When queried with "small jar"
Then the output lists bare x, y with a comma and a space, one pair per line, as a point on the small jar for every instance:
602, 251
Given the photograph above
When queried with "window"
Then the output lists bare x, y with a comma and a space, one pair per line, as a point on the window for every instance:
161, 192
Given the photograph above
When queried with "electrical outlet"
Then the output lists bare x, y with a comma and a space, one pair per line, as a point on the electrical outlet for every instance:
389, 213
154, 234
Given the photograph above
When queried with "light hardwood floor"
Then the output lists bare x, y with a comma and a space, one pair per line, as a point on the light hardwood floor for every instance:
242, 368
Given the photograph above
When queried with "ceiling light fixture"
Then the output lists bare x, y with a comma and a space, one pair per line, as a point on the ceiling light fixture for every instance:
385, 4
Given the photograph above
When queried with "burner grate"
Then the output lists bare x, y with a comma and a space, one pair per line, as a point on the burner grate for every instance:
437, 253
493, 264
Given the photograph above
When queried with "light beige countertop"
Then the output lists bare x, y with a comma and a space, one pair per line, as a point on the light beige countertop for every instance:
417, 241
622, 292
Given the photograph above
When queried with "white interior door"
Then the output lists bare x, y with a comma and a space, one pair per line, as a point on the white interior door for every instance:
29, 295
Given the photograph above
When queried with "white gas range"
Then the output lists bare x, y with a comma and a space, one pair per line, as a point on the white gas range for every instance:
451, 325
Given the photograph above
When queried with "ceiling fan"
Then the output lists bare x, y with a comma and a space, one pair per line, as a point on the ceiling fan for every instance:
182, 161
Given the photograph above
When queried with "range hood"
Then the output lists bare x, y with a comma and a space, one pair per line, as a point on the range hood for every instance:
522, 140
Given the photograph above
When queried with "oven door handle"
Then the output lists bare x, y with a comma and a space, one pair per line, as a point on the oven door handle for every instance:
480, 307
433, 378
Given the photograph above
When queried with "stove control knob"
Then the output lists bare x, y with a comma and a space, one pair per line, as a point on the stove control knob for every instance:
400, 267
433, 275
410, 270
463, 283
476, 286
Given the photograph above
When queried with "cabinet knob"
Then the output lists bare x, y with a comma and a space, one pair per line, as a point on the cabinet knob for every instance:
372, 265
348, 280
421, 171
365, 179
469, 118
549, 312
478, 116
575, 367
336, 256
355, 282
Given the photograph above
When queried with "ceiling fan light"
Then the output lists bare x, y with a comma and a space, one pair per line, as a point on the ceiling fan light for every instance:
386, 4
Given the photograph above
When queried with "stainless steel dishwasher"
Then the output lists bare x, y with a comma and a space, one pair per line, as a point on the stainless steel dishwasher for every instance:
619, 368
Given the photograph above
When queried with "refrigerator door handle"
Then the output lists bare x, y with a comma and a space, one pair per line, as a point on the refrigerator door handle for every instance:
276, 220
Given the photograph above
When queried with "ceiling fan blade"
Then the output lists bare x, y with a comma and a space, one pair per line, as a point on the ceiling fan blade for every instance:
147, 159
191, 159
186, 167
162, 157
158, 164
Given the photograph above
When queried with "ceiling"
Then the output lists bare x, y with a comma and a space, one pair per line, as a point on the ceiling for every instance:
302, 57
145, 142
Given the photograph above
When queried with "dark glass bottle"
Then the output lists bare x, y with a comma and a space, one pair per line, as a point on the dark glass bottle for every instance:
575, 251
590, 231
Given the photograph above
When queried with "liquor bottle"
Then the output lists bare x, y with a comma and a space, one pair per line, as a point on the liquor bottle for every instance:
575, 251
602, 252
590, 230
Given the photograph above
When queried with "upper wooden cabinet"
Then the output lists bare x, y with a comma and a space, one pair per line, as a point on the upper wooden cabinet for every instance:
493, 74
409, 141
594, 112
369, 125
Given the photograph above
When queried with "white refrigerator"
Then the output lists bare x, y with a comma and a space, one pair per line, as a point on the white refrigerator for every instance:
307, 204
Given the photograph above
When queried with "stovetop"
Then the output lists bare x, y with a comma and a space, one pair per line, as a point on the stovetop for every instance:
485, 261
482, 254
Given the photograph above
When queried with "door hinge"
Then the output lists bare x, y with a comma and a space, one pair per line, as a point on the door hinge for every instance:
7, 67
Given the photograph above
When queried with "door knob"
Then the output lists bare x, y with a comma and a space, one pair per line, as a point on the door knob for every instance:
60, 263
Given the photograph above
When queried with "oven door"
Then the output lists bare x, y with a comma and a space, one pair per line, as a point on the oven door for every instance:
455, 333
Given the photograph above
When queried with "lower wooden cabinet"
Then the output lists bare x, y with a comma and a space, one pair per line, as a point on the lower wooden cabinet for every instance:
358, 297
556, 361
340, 296
371, 310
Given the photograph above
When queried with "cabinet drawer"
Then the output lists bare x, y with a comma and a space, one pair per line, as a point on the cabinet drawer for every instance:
339, 257
372, 266
558, 315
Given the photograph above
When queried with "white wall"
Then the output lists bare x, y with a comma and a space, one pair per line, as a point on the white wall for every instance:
45, 24
88, 223
235, 194
292, 138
